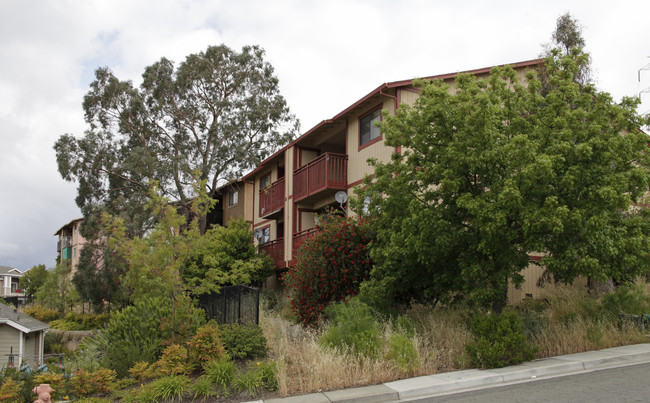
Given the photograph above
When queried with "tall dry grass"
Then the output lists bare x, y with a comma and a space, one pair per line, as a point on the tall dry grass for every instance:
305, 366
575, 321
566, 320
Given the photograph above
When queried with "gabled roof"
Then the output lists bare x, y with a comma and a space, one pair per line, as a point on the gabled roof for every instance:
377, 91
10, 271
20, 321
68, 225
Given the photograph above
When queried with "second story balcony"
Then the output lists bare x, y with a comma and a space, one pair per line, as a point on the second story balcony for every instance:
324, 175
272, 199
275, 250
299, 238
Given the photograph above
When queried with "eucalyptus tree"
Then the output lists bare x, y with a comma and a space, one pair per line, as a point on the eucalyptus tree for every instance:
216, 114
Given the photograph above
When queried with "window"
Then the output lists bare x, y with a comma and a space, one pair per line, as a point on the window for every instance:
265, 181
263, 235
233, 197
368, 131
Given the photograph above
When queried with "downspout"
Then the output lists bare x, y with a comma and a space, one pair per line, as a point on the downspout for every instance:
41, 348
20, 349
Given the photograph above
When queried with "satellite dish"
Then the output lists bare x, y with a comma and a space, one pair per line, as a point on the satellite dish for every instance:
341, 197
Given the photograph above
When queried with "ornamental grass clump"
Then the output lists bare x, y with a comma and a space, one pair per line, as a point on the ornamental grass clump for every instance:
330, 266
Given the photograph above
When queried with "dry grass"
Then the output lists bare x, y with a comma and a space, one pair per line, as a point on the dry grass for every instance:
575, 321
305, 366
568, 321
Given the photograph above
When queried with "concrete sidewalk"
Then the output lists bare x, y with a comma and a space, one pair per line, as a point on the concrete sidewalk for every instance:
451, 382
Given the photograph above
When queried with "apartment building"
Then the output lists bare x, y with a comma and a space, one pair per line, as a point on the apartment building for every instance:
70, 243
300, 181
234, 201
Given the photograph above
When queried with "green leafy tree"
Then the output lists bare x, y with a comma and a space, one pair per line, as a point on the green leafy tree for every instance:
99, 275
225, 256
33, 279
214, 115
160, 262
500, 169
58, 292
156, 260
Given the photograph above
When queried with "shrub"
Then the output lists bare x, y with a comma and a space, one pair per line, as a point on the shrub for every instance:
499, 341
55, 380
86, 321
174, 361
85, 383
221, 373
63, 324
628, 299
41, 313
402, 352
134, 334
53, 343
170, 388
353, 329
10, 391
330, 266
24, 380
243, 341
206, 344
139, 371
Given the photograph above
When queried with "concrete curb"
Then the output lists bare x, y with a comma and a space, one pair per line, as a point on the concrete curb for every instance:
431, 385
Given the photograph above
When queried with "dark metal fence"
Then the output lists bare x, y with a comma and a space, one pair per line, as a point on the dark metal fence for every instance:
234, 304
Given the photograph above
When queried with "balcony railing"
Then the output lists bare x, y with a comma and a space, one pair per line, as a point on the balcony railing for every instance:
329, 171
275, 249
299, 238
272, 198
63, 242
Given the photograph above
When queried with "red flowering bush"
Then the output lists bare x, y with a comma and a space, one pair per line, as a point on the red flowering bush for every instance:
330, 266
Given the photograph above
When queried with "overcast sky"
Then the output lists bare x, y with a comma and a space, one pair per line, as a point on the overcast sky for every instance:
327, 54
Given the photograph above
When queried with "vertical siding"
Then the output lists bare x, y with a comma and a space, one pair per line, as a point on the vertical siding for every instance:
306, 156
531, 274
358, 159
29, 349
248, 201
409, 97
243, 208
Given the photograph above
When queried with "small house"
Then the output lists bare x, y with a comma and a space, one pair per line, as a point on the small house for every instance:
21, 338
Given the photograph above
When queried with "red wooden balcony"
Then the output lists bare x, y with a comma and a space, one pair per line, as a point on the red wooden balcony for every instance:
272, 199
326, 174
275, 249
299, 238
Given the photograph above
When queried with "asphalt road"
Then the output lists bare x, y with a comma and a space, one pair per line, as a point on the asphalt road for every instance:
623, 384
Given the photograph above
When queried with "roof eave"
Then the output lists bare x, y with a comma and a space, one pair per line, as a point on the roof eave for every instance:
377, 91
